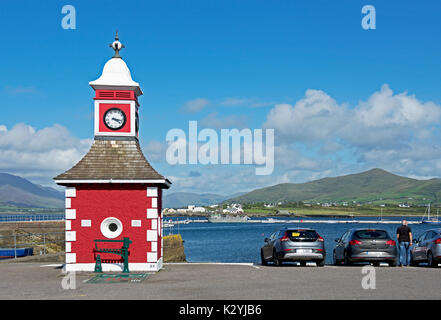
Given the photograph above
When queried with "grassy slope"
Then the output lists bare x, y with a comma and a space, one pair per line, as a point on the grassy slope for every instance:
373, 185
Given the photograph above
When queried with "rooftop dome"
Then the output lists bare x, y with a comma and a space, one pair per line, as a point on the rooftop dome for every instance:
116, 74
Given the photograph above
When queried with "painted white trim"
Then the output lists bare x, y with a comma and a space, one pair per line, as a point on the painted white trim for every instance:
154, 247
71, 214
68, 246
154, 224
68, 225
154, 202
152, 213
152, 235
68, 203
136, 223
163, 181
71, 236
159, 227
152, 256
71, 257
70, 192
152, 191
108, 267
86, 223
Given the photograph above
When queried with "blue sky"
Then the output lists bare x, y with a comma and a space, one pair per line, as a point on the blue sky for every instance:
245, 59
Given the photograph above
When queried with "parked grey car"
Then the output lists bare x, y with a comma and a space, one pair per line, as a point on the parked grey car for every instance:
365, 245
427, 248
295, 245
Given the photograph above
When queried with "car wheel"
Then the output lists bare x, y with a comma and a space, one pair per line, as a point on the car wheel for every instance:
262, 259
303, 263
276, 260
432, 262
321, 263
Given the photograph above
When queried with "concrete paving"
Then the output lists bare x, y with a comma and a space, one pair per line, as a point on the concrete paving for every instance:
191, 281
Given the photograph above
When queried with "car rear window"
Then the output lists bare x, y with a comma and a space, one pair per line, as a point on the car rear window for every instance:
371, 234
302, 235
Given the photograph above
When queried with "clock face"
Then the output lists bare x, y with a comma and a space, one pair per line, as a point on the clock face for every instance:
114, 119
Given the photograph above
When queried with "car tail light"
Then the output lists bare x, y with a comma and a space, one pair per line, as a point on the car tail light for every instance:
320, 239
438, 241
354, 242
391, 242
288, 249
285, 237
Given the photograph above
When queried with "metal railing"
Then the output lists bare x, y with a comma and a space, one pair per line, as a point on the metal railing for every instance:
45, 242
30, 217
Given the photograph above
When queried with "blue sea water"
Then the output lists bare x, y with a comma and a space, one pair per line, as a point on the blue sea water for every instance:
241, 242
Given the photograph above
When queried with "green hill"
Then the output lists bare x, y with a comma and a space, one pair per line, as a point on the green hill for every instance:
376, 185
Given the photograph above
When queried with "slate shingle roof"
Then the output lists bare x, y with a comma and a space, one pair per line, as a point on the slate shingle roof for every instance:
112, 159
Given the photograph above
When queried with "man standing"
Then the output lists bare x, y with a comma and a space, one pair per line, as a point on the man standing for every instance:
404, 236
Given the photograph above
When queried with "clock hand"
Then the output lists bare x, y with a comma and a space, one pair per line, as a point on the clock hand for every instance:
117, 120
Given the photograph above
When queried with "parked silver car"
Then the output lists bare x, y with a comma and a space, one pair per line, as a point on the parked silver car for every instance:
427, 248
365, 245
296, 245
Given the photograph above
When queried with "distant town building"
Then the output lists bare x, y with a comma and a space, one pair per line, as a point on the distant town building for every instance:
235, 208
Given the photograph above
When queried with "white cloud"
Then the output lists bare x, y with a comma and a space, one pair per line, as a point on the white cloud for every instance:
195, 105
42, 154
397, 132
314, 117
155, 150
386, 120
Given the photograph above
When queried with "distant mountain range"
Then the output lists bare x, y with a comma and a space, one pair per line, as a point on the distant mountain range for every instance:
20, 192
376, 185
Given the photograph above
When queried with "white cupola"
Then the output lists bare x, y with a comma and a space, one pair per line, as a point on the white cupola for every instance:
116, 75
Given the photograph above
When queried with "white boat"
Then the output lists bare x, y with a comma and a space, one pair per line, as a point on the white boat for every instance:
430, 220
270, 220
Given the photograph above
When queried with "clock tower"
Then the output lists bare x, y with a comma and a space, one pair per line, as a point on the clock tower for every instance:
113, 192
116, 98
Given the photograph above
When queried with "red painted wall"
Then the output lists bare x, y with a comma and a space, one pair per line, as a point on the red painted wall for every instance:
126, 202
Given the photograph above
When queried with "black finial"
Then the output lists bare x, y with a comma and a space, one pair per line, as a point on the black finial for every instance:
117, 46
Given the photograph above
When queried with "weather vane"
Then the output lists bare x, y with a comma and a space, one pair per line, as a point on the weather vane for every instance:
117, 46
